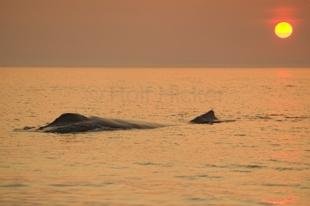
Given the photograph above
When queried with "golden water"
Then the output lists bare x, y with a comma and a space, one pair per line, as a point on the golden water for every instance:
261, 159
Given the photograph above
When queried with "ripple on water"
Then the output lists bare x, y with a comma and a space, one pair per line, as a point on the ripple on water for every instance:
14, 185
283, 161
291, 168
235, 166
281, 185
246, 168
277, 117
198, 200
252, 167
197, 177
153, 164
102, 184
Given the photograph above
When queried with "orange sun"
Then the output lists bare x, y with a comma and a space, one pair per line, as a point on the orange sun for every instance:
283, 30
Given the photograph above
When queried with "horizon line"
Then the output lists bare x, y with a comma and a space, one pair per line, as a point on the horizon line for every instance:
154, 67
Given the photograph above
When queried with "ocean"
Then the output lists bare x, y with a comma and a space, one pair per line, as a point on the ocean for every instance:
260, 159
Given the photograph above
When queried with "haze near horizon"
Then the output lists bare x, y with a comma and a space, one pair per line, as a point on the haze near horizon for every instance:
137, 33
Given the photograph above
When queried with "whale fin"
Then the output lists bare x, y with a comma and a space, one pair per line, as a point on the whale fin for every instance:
207, 118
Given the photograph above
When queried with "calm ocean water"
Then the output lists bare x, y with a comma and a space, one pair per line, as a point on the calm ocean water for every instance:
261, 159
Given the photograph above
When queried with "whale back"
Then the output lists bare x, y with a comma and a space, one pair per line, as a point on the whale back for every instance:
207, 118
67, 118
75, 123
125, 124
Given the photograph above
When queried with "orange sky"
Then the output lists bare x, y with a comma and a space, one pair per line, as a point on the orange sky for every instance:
151, 33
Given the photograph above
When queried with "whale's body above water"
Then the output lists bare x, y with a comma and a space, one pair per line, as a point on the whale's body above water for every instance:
73, 123
76, 123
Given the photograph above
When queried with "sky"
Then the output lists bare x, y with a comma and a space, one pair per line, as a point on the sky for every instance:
153, 33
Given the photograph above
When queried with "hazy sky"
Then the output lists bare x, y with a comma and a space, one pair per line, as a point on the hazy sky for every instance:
152, 33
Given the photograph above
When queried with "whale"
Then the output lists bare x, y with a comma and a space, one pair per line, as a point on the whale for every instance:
78, 123
75, 123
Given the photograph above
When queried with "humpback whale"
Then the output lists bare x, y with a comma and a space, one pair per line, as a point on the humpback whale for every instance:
76, 123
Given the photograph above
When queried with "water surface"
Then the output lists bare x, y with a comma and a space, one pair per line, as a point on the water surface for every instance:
261, 159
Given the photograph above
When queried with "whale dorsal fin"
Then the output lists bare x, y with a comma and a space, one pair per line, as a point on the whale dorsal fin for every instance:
207, 118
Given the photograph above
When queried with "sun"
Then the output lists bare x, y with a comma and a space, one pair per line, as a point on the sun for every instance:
283, 30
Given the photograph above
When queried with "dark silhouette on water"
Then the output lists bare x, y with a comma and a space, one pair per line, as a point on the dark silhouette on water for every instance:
207, 118
75, 123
